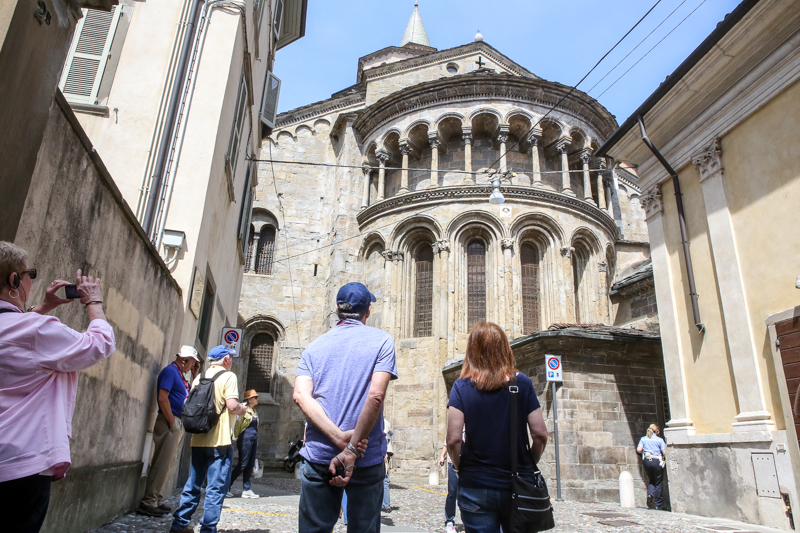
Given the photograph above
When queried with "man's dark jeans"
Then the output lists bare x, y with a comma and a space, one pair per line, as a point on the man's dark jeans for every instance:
320, 501
24, 502
484, 510
452, 494
213, 465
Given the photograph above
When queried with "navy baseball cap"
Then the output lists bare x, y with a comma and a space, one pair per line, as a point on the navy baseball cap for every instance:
357, 295
218, 352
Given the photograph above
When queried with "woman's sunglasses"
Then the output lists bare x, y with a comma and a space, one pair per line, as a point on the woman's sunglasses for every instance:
31, 273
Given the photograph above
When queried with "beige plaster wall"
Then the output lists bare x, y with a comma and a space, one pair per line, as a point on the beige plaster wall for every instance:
709, 380
762, 186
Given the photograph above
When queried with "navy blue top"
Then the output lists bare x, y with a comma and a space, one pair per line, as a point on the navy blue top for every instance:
171, 379
485, 452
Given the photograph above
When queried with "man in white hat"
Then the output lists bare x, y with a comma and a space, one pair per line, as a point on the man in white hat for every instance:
173, 388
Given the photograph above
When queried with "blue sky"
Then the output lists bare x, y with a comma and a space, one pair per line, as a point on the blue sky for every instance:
557, 40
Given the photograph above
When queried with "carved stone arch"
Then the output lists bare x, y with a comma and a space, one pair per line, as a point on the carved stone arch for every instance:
285, 137
398, 235
521, 113
382, 142
585, 250
418, 122
484, 110
450, 114
578, 130
262, 216
261, 328
586, 236
484, 218
322, 126
303, 130
544, 223
372, 239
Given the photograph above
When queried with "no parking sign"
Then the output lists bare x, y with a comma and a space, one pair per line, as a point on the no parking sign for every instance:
553, 367
232, 339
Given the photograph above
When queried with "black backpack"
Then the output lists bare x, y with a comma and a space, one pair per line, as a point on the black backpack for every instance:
200, 411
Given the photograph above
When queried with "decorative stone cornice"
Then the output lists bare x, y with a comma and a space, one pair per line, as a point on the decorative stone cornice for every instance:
442, 245
709, 160
652, 202
566, 251
538, 196
469, 87
507, 244
640, 287
390, 255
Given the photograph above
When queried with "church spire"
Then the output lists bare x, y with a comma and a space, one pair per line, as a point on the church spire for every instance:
415, 31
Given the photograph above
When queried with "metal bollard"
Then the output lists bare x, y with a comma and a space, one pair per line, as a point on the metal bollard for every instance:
626, 495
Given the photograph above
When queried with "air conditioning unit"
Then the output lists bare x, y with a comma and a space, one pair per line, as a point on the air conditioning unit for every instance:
269, 101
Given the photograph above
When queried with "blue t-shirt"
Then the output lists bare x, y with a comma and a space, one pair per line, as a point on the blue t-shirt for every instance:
655, 444
170, 379
341, 363
486, 450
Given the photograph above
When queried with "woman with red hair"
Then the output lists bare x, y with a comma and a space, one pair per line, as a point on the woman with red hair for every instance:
480, 404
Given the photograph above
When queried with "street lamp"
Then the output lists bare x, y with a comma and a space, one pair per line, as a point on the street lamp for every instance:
496, 197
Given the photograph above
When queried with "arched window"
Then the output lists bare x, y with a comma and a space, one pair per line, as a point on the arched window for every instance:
248, 260
424, 291
476, 283
529, 259
580, 262
266, 250
259, 368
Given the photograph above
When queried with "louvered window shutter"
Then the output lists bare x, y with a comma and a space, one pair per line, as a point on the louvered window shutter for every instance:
269, 103
277, 22
88, 55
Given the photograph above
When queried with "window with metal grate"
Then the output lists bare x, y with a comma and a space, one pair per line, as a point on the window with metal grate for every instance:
424, 291
529, 258
476, 283
259, 367
266, 250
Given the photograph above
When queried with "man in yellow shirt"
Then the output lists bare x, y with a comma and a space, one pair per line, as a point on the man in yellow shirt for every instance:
212, 452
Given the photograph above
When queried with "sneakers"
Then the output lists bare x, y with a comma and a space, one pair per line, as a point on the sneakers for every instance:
450, 527
250, 494
230, 495
148, 510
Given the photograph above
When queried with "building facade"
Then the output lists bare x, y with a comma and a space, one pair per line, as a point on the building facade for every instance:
386, 183
724, 121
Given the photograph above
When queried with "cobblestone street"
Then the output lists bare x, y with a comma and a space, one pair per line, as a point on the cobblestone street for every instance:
418, 507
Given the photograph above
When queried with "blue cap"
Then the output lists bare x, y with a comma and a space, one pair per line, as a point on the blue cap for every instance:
357, 295
218, 352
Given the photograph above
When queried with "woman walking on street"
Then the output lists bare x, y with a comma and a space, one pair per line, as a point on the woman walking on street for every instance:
246, 434
480, 406
652, 449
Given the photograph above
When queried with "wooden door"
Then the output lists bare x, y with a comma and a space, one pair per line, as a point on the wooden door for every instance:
788, 333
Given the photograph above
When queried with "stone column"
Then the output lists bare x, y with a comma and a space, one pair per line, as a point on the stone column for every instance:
674, 366
563, 148
383, 158
442, 249
397, 293
365, 195
469, 179
508, 323
536, 174
601, 191
502, 138
388, 270
569, 284
405, 149
587, 181
744, 354
251, 265
433, 140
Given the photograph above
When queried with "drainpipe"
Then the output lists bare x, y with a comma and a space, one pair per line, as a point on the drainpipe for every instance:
171, 115
687, 255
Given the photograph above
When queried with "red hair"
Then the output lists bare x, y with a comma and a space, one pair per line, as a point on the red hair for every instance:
489, 361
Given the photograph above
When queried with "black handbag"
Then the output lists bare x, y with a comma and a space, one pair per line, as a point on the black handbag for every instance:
531, 509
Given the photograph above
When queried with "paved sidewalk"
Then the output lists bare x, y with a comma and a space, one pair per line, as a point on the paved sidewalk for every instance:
418, 507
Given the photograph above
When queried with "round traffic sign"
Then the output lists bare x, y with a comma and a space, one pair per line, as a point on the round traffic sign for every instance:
553, 363
232, 337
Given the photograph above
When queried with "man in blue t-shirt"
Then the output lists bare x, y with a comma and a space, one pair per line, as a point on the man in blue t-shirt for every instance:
173, 388
340, 385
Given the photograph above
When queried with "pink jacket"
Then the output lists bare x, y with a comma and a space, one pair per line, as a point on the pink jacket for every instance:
39, 362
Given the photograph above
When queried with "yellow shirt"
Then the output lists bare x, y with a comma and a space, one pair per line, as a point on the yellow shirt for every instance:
225, 387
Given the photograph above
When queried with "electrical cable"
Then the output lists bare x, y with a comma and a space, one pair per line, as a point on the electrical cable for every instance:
288, 251
635, 47
653, 48
573, 88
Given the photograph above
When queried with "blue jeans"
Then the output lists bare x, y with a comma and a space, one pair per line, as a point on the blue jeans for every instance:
452, 494
387, 501
484, 510
213, 466
246, 443
320, 501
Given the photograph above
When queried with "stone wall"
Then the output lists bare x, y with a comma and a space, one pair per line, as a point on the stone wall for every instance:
74, 217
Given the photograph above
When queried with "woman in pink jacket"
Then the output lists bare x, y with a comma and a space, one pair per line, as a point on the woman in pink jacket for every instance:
39, 362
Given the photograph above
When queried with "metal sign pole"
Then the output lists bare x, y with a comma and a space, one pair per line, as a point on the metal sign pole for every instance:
555, 434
